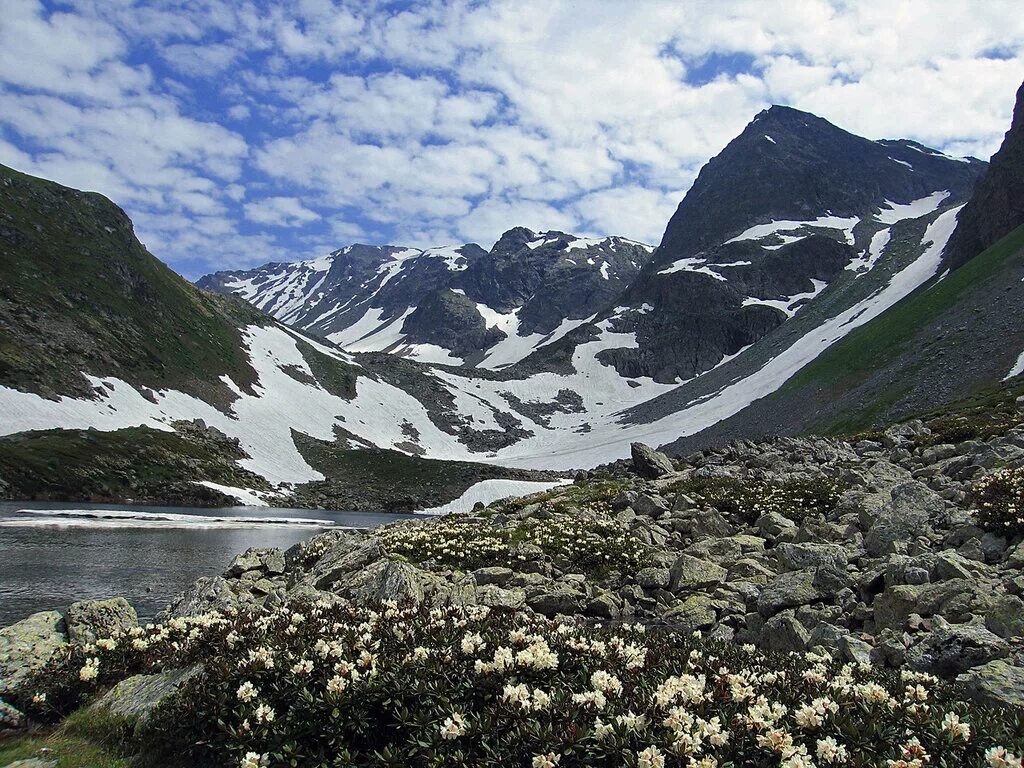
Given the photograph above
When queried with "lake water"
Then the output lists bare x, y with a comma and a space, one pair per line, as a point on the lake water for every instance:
52, 554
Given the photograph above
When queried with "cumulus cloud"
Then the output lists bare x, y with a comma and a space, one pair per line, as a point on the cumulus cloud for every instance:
243, 132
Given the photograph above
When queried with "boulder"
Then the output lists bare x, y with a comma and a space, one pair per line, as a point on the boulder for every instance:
950, 649
998, 683
695, 612
604, 605
560, 598
266, 560
495, 574
689, 573
797, 557
650, 463
89, 620
28, 645
1005, 617
784, 633
907, 514
136, 697
787, 591
653, 578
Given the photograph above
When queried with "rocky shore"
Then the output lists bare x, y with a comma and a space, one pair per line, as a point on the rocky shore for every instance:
870, 550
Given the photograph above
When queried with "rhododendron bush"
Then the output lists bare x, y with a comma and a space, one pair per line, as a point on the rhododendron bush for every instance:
329, 683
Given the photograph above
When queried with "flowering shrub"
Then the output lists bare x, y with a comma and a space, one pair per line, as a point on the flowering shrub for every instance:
795, 498
999, 499
334, 684
583, 542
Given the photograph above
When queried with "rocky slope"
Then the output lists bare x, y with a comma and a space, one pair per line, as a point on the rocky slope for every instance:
997, 206
453, 305
870, 548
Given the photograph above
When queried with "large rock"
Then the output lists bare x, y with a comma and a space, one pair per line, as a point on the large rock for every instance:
385, 580
558, 598
796, 557
953, 599
650, 463
135, 698
906, 516
783, 632
998, 684
28, 645
689, 573
265, 560
695, 612
788, 591
89, 620
950, 649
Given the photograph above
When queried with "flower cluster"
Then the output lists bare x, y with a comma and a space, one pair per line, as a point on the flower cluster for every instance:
332, 683
999, 499
795, 497
587, 543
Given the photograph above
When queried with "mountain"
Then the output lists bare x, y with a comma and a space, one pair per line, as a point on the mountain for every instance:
798, 296
997, 207
957, 336
457, 305
119, 379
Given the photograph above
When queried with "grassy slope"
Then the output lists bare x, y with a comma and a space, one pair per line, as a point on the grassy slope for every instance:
137, 463
389, 480
79, 292
852, 360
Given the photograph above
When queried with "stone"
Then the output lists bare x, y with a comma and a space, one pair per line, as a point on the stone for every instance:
500, 598
783, 633
349, 554
267, 560
950, 649
951, 598
950, 565
854, 649
650, 506
136, 697
494, 574
787, 591
796, 557
559, 599
653, 578
386, 580
690, 572
28, 645
775, 526
89, 620
695, 612
907, 514
604, 605
998, 683
11, 718
1005, 617
650, 463
33, 762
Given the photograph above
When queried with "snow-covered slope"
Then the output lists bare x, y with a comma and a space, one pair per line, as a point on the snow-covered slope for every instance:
452, 305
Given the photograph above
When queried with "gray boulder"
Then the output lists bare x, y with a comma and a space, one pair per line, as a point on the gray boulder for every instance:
650, 463
137, 697
787, 591
783, 633
950, 649
28, 645
907, 515
89, 620
998, 683
689, 573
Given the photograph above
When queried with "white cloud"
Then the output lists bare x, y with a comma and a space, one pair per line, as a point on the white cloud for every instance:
279, 212
221, 125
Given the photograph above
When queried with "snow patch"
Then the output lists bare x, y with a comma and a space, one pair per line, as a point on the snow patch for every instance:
487, 491
893, 212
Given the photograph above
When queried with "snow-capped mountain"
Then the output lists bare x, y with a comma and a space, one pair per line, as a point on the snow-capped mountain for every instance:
799, 242
455, 305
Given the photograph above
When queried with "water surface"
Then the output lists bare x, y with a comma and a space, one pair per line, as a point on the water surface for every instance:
52, 554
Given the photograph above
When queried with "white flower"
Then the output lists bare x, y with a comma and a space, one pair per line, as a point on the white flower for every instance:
254, 760
336, 685
39, 699
602, 730
650, 758
263, 714
90, 671
998, 757
247, 691
453, 727
550, 760
302, 667
541, 700
606, 683
830, 751
106, 644
958, 730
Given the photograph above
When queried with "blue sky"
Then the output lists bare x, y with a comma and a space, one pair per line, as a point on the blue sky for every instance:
235, 133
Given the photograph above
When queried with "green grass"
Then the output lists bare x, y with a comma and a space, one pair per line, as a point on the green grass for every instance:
78, 291
86, 739
866, 349
138, 462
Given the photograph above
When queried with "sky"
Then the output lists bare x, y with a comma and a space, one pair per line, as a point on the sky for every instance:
237, 133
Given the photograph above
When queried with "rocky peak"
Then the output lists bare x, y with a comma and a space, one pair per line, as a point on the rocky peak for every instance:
998, 203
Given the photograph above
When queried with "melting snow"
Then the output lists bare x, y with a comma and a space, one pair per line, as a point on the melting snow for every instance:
759, 231
1018, 368
789, 305
770, 139
894, 212
691, 264
487, 491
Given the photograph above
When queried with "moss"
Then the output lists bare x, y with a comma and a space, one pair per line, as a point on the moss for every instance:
139, 463
87, 739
